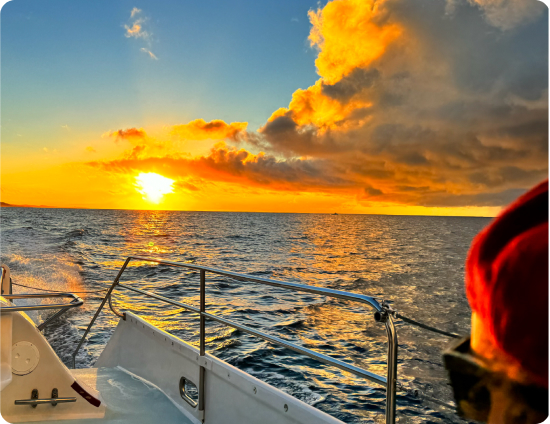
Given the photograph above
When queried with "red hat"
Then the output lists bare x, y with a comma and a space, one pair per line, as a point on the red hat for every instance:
507, 284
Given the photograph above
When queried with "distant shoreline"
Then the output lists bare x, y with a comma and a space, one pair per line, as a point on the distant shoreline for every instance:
9, 205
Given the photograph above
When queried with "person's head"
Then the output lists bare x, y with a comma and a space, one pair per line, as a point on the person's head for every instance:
500, 373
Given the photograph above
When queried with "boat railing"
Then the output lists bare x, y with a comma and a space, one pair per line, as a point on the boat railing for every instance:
380, 315
63, 307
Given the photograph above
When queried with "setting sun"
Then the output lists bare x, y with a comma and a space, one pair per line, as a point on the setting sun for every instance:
153, 186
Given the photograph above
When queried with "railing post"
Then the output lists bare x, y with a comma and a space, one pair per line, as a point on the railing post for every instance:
391, 388
107, 296
202, 341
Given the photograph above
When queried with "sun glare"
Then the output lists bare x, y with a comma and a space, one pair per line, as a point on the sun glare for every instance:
153, 186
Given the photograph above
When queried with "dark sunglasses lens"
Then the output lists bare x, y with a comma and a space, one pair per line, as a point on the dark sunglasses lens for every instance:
472, 397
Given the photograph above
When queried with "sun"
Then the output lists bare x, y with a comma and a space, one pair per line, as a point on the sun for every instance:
153, 186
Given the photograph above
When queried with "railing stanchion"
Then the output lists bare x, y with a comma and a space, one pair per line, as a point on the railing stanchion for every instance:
202, 340
391, 388
99, 309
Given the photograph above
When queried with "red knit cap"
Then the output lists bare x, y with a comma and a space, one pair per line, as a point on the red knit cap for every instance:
507, 281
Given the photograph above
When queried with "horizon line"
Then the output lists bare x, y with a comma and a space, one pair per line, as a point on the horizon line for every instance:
8, 205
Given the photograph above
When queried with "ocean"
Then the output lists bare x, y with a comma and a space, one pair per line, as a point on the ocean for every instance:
414, 263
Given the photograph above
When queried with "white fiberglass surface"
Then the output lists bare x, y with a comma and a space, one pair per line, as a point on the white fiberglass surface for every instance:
128, 399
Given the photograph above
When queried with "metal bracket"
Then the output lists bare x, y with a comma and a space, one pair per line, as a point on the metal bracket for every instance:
205, 362
382, 316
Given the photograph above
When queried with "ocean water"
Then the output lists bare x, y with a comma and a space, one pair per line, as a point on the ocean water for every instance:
414, 263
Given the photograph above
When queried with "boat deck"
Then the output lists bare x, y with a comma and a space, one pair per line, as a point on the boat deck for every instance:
128, 399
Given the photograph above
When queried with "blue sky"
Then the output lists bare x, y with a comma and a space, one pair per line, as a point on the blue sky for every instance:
69, 62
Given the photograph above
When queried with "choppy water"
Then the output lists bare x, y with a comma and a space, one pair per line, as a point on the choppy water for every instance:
415, 263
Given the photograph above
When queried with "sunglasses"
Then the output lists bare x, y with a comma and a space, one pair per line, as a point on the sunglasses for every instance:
472, 382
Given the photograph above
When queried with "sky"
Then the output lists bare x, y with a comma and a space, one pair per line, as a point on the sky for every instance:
430, 107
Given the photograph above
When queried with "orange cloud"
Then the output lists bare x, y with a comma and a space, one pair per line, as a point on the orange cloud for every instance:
217, 129
228, 164
142, 144
134, 30
130, 134
350, 34
312, 106
366, 180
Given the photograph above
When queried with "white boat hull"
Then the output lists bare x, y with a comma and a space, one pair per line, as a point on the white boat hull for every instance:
231, 395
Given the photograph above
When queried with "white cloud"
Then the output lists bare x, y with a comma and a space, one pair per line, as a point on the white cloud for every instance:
134, 12
150, 53
137, 28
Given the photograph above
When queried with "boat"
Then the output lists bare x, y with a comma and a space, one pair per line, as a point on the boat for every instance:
145, 374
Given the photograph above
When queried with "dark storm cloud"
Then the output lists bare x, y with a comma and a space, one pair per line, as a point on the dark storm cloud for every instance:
352, 84
481, 199
457, 98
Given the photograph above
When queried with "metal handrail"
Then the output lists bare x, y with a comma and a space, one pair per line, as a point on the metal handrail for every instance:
322, 358
64, 307
76, 302
381, 315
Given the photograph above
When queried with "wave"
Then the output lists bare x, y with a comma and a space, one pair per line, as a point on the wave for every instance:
77, 233
292, 323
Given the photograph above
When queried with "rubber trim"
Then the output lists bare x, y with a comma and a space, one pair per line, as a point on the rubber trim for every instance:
78, 388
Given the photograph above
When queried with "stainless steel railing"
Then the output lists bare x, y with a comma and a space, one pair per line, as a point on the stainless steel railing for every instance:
5, 280
63, 307
381, 315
